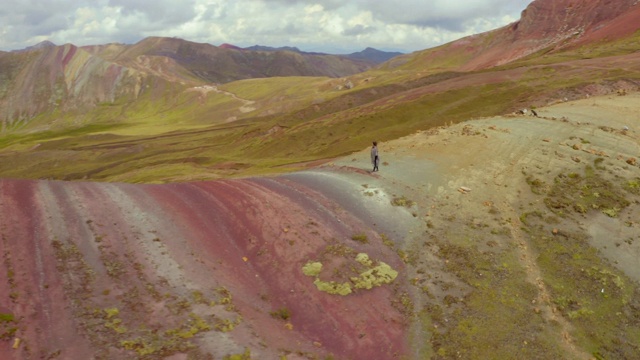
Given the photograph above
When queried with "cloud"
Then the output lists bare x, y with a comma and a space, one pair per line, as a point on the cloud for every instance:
359, 30
159, 12
321, 25
446, 14
21, 20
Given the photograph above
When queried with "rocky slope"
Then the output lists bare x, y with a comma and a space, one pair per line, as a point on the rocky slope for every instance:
507, 237
61, 79
545, 27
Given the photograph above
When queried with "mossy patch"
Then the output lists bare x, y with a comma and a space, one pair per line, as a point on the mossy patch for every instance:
377, 276
111, 312
633, 186
364, 259
361, 238
246, 355
154, 344
6, 317
312, 269
371, 274
332, 287
7, 326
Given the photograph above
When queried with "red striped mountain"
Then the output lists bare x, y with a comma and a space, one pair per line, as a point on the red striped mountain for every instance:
48, 78
545, 27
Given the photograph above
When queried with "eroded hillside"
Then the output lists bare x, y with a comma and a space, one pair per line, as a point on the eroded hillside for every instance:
501, 237
503, 223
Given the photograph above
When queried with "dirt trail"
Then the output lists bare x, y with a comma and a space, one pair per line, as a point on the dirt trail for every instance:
245, 108
543, 303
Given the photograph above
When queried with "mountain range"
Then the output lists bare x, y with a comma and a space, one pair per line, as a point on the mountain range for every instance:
48, 81
369, 54
45, 77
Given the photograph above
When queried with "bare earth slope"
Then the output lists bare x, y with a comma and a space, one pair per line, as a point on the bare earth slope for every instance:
511, 237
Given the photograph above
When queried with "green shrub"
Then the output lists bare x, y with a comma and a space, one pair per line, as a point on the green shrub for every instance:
282, 313
361, 238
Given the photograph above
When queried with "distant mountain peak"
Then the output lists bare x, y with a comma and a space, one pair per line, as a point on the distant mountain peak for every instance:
38, 46
229, 46
373, 55
282, 48
45, 43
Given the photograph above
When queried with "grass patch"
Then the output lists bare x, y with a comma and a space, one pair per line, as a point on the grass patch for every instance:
313, 131
402, 201
600, 302
246, 355
313, 120
537, 186
361, 238
386, 241
282, 314
633, 186
584, 193
7, 326
496, 320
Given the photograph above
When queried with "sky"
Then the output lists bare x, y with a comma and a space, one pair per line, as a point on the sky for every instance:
331, 26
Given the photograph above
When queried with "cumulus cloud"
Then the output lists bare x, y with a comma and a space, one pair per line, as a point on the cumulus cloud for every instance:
160, 12
322, 25
359, 30
446, 14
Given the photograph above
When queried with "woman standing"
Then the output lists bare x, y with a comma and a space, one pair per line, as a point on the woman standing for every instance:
375, 159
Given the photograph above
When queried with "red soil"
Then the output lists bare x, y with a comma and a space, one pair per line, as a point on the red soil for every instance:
552, 25
72, 250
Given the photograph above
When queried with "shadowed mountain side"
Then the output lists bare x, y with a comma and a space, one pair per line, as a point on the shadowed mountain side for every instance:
214, 64
374, 55
371, 55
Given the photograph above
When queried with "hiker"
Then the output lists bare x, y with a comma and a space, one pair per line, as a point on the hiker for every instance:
375, 159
